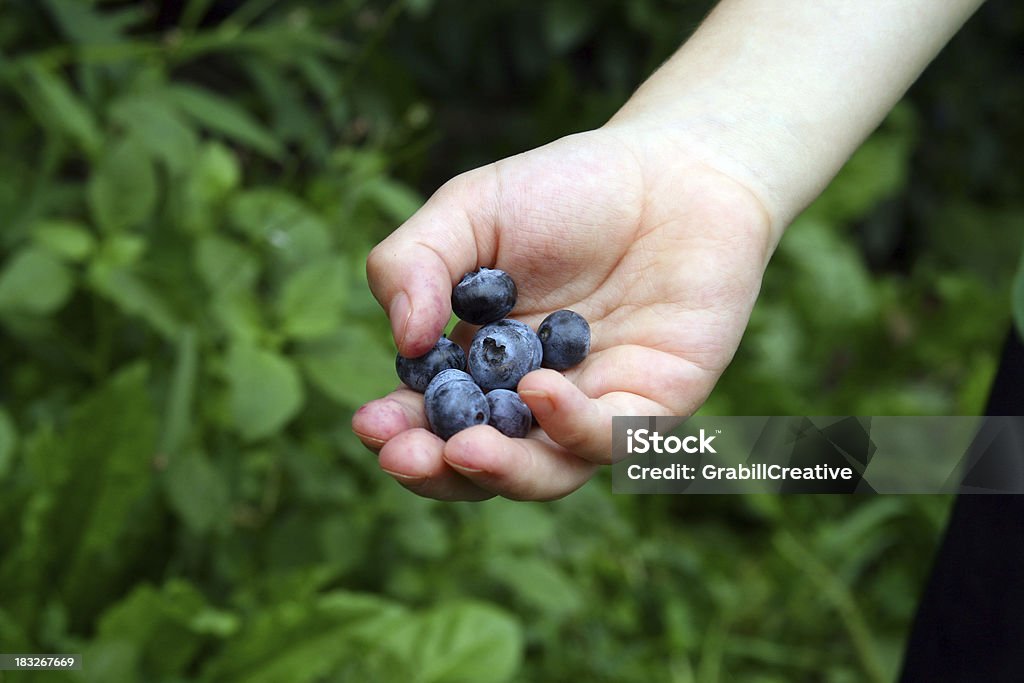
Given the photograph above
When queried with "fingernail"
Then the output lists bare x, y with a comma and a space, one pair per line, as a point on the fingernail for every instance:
400, 313
463, 468
405, 478
539, 401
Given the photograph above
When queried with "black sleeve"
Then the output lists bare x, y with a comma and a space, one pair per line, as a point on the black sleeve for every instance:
970, 621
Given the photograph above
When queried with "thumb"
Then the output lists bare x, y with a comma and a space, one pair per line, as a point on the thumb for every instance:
412, 271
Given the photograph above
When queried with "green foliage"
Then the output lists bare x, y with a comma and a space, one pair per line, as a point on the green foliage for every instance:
186, 330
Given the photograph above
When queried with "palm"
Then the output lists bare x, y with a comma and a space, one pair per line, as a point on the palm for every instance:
662, 256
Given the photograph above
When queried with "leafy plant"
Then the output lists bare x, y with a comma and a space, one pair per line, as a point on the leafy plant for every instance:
188, 200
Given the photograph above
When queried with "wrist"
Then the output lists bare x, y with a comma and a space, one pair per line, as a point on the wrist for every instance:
778, 98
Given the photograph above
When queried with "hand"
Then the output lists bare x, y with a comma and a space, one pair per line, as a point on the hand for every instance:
661, 253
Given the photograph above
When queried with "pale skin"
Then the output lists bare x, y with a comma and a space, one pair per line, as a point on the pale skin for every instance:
656, 227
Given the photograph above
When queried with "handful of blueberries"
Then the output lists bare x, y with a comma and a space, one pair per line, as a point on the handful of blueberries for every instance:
460, 393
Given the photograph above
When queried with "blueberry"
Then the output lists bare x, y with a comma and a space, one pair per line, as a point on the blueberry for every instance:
450, 375
509, 415
483, 296
454, 404
502, 353
565, 336
417, 372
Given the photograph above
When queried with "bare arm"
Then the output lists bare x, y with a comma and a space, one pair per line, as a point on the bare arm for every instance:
779, 94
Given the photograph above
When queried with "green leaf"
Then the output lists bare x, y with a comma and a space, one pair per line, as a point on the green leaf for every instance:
217, 171
265, 390
34, 281
223, 116
156, 624
351, 366
830, 272
8, 442
311, 300
282, 223
538, 583
135, 297
396, 200
82, 23
159, 130
90, 484
303, 642
239, 314
178, 411
61, 108
515, 524
68, 239
461, 643
197, 491
122, 189
226, 266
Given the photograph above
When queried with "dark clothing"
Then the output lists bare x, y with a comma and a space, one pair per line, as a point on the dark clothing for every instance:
970, 622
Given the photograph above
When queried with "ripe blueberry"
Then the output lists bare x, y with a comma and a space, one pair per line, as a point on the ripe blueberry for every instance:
502, 353
453, 404
483, 296
509, 415
565, 336
417, 372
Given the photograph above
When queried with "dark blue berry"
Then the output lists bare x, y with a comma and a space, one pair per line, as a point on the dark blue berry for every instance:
483, 296
509, 415
453, 404
565, 336
502, 353
417, 372
451, 375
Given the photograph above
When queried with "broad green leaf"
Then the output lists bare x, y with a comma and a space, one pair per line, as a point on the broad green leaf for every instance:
240, 315
34, 281
830, 271
351, 366
282, 223
223, 116
461, 643
423, 535
157, 625
8, 442
180, 396
122, 188
197, 491
303, 642
136, 297
396, 200
63, 109
217, 170
215, 175
515, 524
82, 23
264, 388
538, 583
159, 129
90, 487
310, 301
226, 266
68, 239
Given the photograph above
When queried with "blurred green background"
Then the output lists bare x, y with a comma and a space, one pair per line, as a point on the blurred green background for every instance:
188, 192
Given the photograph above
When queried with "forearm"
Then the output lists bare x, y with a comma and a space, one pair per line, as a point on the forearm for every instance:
778, 94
